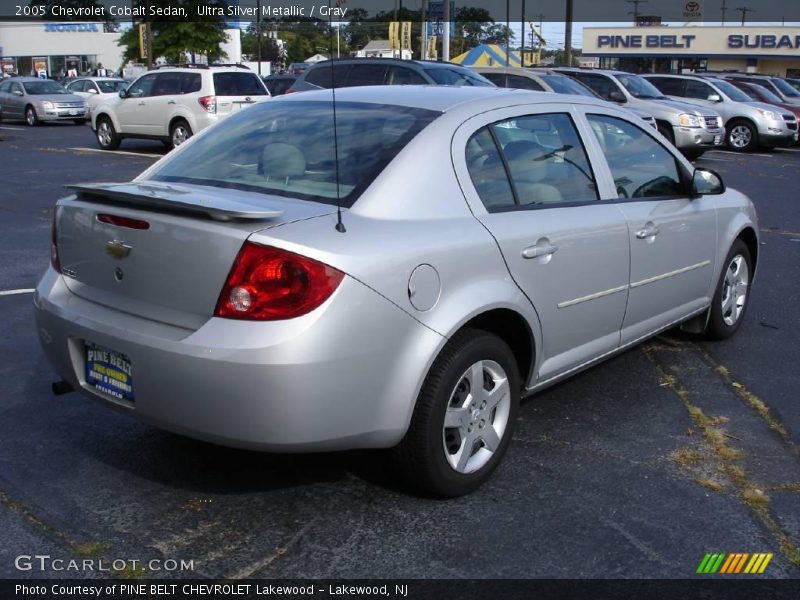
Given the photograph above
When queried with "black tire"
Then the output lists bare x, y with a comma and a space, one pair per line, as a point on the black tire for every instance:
726, 316
741, 136
693, 154
80, 121
666, 130
179, 132
423, 457
107, 137
31, 118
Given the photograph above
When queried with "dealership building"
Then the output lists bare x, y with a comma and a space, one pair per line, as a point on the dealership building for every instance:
56, 48
663, 49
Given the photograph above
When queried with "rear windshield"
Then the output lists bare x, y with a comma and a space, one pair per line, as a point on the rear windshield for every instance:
287, 149
238, 84
446, 76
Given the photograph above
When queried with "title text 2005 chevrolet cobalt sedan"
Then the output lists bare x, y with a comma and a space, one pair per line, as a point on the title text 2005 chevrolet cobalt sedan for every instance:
491, 243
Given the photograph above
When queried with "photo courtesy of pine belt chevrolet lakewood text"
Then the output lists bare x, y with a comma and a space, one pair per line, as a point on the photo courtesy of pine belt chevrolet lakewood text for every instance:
396, 274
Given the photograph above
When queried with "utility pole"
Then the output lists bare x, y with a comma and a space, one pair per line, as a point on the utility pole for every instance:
522, 38
258, 34
446, 31
635, 12
723, 9
568, 35
744, 10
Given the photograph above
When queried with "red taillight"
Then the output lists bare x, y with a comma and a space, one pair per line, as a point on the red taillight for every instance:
123, 221
290, 91
54, 259
269, 284
209, 103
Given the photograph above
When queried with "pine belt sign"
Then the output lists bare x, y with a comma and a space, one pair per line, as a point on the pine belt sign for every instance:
781, 42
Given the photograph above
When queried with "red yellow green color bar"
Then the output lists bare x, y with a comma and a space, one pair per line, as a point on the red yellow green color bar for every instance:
738, 562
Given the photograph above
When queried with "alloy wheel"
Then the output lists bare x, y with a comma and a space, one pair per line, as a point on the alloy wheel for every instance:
734, 289
477, 416
740, 136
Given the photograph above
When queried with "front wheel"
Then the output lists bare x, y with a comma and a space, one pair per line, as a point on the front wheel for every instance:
732, 295
464, 417
31, 118
742, 136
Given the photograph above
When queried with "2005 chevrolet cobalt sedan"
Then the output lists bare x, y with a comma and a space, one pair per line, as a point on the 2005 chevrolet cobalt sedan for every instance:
400, 285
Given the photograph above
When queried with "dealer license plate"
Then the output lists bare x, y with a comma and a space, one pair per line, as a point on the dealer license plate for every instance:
109, 372
73, 112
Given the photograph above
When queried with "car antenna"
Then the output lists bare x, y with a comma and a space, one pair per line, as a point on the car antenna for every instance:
339, 225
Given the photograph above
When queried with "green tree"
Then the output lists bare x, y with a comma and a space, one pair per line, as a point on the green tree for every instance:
174, 38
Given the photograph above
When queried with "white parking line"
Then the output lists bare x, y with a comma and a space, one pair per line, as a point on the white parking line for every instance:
743, 154
15, 292
147, 155
13, 128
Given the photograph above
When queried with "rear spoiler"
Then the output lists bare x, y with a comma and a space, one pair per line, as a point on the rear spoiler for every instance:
166, 197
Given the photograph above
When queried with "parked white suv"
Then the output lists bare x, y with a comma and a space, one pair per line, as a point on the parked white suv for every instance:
174, 102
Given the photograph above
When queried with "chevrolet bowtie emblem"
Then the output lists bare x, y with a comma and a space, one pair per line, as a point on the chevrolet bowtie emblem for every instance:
118, 248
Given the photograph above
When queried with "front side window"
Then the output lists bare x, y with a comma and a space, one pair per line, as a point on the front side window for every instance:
404, 76
698, 90
669, 86
287, 149
638, 87
455, 76
541, 157
640, 165
111, 87
600, 84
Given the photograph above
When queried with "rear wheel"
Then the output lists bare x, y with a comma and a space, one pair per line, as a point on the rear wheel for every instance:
742, 136
107, 136
464, 416
31, 118
179, 133
730, 299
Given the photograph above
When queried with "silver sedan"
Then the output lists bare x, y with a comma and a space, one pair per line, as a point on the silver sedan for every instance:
35, 100
398, 280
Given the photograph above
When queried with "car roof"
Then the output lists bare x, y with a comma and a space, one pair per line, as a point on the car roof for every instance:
390, 61
441, 98
29, 79
98, 79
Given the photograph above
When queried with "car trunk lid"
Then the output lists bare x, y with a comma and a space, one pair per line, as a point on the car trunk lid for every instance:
162, 251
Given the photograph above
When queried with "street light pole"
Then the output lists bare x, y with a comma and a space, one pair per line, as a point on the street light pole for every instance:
568, 35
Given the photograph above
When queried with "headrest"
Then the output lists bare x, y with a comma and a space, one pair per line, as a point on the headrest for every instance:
282, 160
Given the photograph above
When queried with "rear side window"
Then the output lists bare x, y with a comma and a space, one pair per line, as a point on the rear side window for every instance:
367, 74
523, 83
327, 75
238, 84
541, 155
499, 79
287, 149
167, 84
190, 83
668, 86
404, 76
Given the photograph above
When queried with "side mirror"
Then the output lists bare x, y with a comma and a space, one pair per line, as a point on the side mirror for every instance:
123, 93
92, 91
617, 96
707, 182
714, 98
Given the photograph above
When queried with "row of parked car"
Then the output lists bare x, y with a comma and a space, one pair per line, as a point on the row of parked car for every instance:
694, 112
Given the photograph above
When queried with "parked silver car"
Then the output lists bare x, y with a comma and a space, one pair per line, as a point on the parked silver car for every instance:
545, 80
35, 100
693, 131
748, 124
453, 250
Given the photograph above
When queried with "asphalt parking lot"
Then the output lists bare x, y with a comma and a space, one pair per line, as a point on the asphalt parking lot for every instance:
636, 468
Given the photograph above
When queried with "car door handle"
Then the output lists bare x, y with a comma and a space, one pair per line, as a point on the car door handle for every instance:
649, 231
537, 251
142, 103
171, 102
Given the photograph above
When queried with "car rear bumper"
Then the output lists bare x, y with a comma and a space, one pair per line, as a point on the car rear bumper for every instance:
311, 383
